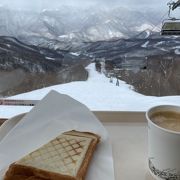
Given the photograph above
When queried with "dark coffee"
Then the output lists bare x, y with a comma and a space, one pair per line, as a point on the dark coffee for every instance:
167, 119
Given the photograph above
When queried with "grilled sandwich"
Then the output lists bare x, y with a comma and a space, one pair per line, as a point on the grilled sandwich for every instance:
64, 158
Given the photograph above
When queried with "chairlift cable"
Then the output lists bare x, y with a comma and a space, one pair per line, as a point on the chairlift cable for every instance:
160, 21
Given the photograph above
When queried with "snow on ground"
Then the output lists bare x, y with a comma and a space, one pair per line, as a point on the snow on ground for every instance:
145, 44
147, 33
145, 26
49, 58
163, 49
159, 43
97, 93
177, 51
75, 53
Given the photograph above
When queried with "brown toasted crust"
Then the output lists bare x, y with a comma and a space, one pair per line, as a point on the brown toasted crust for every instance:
20, 172
17, 171
83, 134
83, 169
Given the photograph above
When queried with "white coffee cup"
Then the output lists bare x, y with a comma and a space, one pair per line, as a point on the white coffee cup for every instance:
163, 146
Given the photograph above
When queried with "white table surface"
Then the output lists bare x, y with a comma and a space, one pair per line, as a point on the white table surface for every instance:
130, 146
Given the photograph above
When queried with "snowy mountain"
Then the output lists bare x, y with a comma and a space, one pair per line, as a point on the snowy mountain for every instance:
17, 55
70, 24
58, 40
26, 67
97, 93
143, 45
144, 61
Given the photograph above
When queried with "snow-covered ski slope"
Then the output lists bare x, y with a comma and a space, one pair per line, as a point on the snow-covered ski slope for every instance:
97, 93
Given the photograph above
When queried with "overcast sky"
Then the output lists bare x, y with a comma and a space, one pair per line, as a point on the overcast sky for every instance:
41, 4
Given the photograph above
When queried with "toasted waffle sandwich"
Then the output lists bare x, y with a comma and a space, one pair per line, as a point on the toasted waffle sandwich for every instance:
64, 158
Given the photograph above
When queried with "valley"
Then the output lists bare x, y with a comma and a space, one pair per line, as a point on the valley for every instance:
39, 49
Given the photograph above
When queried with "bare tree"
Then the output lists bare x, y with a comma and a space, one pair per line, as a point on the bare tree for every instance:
166, 65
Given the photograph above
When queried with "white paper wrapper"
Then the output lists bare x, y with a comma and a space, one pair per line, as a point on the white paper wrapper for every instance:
55, 114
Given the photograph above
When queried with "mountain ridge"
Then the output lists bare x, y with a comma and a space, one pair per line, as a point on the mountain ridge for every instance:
70, 25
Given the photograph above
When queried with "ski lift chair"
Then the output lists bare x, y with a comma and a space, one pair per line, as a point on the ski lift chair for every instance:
171, 27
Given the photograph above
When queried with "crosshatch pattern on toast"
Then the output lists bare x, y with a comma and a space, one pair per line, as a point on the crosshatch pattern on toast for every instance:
66, 157
62, 155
